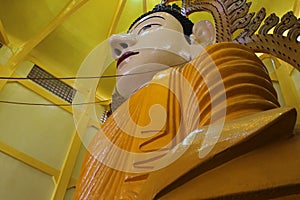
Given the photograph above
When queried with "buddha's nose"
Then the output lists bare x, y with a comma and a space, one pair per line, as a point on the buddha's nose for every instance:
119, 43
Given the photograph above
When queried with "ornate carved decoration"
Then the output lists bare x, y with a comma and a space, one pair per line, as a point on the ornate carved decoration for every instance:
271, 35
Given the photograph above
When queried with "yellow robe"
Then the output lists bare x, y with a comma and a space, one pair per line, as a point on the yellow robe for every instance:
227, 80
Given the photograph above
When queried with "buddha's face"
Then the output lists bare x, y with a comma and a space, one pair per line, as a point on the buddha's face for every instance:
154, 43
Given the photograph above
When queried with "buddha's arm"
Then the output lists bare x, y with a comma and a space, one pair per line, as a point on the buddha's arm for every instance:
273, 161
229, 79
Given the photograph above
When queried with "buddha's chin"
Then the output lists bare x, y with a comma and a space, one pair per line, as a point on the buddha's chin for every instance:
136, 71
137, 77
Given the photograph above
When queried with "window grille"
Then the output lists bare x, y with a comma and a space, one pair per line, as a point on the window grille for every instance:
52, 84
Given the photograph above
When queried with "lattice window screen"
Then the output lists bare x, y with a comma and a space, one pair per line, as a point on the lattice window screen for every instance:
51, 83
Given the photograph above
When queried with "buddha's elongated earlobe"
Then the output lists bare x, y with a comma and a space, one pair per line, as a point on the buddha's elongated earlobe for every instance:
203, 33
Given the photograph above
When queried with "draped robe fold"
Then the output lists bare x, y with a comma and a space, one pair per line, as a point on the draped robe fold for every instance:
226, 81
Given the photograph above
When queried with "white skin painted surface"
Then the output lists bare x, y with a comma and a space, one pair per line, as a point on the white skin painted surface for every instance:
153, 44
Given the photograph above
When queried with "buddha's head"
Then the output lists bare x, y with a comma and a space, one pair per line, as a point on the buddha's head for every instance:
157, 40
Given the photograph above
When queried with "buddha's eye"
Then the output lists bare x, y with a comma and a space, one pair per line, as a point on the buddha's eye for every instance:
148, 27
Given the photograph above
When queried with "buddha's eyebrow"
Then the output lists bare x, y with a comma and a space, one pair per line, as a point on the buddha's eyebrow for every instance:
148, 19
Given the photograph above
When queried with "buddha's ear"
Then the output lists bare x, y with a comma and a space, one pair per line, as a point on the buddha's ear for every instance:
203, 33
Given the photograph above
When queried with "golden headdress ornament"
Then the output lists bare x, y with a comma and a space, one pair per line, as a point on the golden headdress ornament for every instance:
256, 31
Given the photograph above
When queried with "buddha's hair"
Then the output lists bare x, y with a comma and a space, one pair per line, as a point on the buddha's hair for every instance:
175, 11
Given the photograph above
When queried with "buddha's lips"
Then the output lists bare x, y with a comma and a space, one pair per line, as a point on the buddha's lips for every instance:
126, 55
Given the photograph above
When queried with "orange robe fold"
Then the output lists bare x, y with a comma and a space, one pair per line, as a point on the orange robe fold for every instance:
227, 80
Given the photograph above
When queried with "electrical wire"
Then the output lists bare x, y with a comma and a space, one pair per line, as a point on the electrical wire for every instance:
72, 78
50, 104
88, 77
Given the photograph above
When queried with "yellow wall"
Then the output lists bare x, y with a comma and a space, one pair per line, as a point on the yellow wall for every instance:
41, 133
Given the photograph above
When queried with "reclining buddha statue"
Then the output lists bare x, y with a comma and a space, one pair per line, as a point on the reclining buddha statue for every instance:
194, 112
